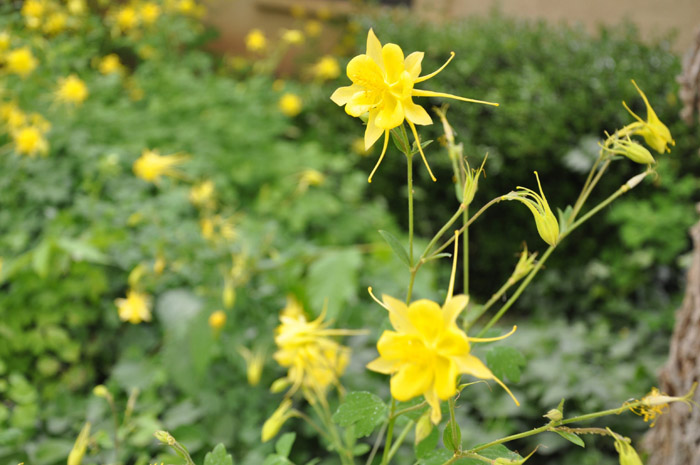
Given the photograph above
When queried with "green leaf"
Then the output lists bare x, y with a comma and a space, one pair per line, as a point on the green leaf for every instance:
363, 410
333, 279
437, 457
396, 246
41, 258
360, 449
275, 459
427, 445
81, 251
571, 437
564, 216
218, 456
283, 446
439, 255
399, 140
505, 361
450, 442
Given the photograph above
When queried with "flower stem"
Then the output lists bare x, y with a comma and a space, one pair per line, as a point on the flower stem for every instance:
400, 439
465, 252
389, 433
453, 424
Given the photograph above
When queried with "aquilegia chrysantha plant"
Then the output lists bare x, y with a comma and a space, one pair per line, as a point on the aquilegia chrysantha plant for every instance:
427, 351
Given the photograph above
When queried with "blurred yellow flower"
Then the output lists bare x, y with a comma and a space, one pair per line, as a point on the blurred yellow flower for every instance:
383, 86
310, 177
255, 41
126, 18
150, 12
654, 132
293, 36
135, 308
30, 141
5, 40
12, 115
202, 194
146, 51
327, 68
358, 146
547, 224
55, 23
21, 61
110, 64
217, 320
150, 166
254, 362
305, 347
159, 265
71, 90
313, 28
33, 10
290, 104
76, 7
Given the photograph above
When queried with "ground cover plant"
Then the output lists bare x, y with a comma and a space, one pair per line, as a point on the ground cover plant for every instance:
160, 206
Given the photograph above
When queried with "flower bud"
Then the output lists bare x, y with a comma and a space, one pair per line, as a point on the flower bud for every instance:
101, 391
279, 385
217, 320
273, 424
632, 150
525, 264
554, 414
471, 182
628, 456
228, 296
423, 427
165, 437
76, 454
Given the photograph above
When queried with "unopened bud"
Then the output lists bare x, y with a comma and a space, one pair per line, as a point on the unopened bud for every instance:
165, 437
628, 456
76, 454
632, 150
217, 320
229, 294
423, 427
101, 391
273, 424
279, 385
554, 414
634, 181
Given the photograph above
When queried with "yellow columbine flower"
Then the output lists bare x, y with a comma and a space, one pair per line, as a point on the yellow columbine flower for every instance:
202, 194
383, 84
21, 61
30, 141
293, 36
305, 347
255, 41
313, 28
632, 150
126, 18
149, 12
428, 351
33, 10
135, 308
110, 64
656, 403
76, 7
5, 40
72, 90
310, 177
327, 68
290, 104
654, 132
150, 166
546, 222
55, 23
75, 457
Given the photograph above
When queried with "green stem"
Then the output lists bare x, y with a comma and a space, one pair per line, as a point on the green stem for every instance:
519, 291
375, 447
623, 189
389, 433
400, 438
410, 409
473, 317
453, 424
579, 201
465, 252
325, 416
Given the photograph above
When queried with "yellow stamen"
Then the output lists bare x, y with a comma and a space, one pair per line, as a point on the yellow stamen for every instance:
492, 339
381, 157
435, 73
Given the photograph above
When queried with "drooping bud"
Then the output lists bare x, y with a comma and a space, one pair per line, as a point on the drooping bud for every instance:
76, 454
546, 222
632, 150
273, 424
628, 456
525, 264
471, 181
423, 427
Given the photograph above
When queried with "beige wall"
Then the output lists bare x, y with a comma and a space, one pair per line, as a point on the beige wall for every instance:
234, 18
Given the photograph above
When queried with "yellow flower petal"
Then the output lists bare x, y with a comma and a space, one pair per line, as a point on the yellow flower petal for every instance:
411, 381
374, 48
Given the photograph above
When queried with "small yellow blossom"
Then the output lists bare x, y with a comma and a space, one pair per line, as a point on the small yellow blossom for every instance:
310, 177
657, 403
30, 141
273, 424
135, 308
383, 86
5, 40
305, 347
101, 391
11, 115
21, 61
33, 10
254, 362
546, 222
313, 28
126, 18
654, 132
159, 265
150, 166
202, 194
75, 457
255, 41
228, 295
77, 7
428, 351
327, 68
217, 320
358, 146
110, 64
55, 23
290, 104
72, 90
293, 36
150, 12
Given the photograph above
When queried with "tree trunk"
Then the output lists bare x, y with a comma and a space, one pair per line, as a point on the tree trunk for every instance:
675, 440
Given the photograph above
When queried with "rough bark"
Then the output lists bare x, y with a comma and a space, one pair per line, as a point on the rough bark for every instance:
689, 81
675, 440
